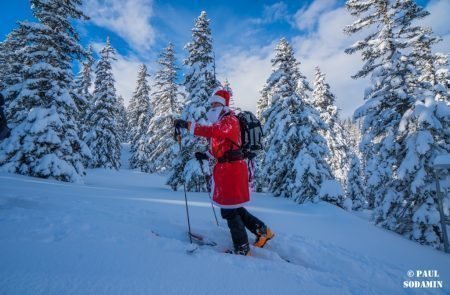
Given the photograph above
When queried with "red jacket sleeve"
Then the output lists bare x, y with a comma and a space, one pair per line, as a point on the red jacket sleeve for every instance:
222, 129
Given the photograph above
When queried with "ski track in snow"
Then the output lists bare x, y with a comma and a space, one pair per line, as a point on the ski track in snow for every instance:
124, 232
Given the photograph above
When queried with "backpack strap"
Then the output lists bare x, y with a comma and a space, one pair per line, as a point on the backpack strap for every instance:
228, 113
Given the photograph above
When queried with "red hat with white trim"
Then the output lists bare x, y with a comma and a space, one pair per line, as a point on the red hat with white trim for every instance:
220, 96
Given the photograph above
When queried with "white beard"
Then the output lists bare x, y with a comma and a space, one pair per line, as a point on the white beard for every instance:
213, 114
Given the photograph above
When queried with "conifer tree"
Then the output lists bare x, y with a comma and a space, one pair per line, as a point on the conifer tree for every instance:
352, 129
131, 115
44, 141
227, 87
354, 184
402, 122
103, 138
423, 135
302, 88
165, 108
12, 68
122, 120
200, 81
82, 94
294, 163
140, 114
323, 101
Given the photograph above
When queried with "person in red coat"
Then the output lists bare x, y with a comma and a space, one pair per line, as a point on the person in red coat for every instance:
230, 172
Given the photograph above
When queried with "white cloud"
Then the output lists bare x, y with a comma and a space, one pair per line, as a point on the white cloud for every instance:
130, 19
438, 20
273, 13
325, 48
247, 70
125, 70
307, 17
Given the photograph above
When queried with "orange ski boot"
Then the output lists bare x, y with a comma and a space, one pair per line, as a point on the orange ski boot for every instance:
263, 235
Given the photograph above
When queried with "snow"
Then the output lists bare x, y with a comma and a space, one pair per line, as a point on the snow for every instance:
332, 188
442, 161
124, 232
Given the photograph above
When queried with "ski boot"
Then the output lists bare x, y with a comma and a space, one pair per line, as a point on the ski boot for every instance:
263, 235
240, 250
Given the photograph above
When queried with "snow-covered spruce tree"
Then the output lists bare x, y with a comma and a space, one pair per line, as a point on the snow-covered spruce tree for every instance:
401, 123
81, 92
263, 103
13, 53
294, 163
200, 81
122, 120
131, 114
139, 118
423, 134
354, 183
355, 177
44, 141
323, 101
103, 138
165, 108
381, 54
352, 129
4, 64
432, 68
302, 90
227, 87
442, 77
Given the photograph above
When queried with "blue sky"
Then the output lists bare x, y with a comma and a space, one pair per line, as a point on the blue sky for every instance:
244, 33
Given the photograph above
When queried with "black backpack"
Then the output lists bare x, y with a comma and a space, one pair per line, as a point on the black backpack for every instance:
251, 134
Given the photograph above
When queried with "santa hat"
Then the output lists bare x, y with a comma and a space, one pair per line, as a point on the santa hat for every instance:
220, 96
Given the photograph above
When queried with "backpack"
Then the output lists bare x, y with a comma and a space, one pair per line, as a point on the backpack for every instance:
251, 134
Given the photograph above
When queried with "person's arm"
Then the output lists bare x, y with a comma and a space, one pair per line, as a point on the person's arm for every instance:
221, 129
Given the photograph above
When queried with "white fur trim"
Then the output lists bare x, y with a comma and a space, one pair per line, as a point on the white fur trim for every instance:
192, 129
217, 98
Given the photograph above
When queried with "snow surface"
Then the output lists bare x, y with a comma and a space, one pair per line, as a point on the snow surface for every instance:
124, 232
442, 161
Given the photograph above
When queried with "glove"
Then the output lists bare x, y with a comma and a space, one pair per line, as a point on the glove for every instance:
201, 156
180, 124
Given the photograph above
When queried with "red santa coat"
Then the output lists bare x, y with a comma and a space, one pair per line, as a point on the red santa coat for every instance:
231, 189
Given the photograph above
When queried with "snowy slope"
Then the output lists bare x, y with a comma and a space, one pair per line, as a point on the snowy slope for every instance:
125, 233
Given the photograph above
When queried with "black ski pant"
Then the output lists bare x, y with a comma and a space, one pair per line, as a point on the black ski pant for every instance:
238, 219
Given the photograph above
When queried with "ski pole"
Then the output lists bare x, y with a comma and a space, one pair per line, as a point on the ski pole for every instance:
178, 138
209, 191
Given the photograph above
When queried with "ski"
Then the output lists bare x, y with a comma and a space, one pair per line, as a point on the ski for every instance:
202, 241
197, 242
